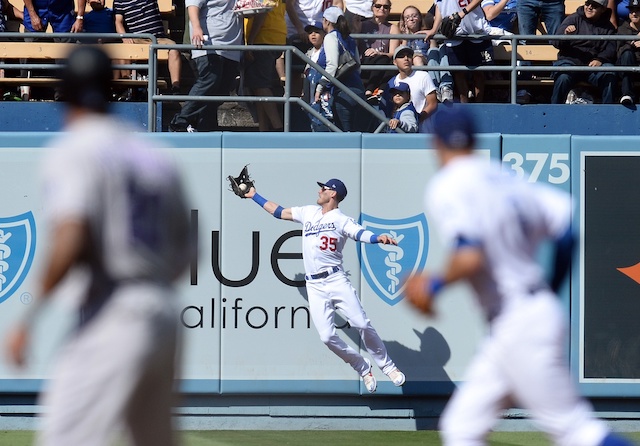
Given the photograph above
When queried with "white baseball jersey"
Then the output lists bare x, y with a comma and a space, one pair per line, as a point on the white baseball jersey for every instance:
420, 84
324, 236
508, 217
520, 361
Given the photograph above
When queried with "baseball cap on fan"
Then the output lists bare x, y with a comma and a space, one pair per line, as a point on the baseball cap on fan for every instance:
313, 27
332, 13
634, 4
402, 50
455, 127
402, 86
601, 2
336, 185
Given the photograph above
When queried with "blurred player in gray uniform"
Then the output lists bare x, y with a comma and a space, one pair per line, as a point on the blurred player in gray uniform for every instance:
115, 208
493, 224
325, 230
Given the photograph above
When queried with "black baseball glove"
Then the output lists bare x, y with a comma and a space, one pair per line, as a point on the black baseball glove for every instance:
241, 184
449, 25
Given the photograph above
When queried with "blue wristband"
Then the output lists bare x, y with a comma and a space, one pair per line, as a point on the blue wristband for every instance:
435, 285
278, 212
260, 199
374, 239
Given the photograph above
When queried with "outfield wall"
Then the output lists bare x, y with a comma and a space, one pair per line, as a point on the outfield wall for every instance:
247, 331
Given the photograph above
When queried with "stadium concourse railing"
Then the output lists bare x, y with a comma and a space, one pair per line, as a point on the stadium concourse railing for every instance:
151, 65
513, 67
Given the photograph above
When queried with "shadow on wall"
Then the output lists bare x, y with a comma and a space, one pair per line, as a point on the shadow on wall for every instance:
424, 368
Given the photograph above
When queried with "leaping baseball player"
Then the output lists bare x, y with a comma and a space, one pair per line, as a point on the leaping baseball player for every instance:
325, 232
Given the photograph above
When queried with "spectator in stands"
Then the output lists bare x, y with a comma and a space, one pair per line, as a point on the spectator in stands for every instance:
361, 8
217, 69
301, 13
412, 21
472, 52
143, 16
427, 51
100, 19
620, 10
10, 16
337, 40
404, 114
629, 52
312, 76
260, 75
378, 51
39, 14
530, 12
502, 15
60, 14
422, 89
9, 13
592, 19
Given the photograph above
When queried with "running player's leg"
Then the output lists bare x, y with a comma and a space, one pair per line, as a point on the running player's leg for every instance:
92, 382
541, 379
323, 314
475, 405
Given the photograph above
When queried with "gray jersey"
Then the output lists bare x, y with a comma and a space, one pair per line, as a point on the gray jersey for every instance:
506, 216
131, 197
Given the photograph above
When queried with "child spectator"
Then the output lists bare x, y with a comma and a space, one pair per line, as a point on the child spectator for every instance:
404, 114
312, 76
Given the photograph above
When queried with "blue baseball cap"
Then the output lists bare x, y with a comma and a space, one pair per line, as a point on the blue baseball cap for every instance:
455, 127
402, 86
314, 27
336, 185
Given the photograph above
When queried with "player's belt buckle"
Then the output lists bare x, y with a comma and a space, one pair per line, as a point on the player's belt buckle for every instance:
323, 274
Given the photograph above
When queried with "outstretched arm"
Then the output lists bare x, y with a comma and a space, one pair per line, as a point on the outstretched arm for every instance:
273, 208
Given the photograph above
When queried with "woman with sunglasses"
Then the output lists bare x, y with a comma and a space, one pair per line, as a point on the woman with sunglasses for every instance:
378, 51
592, 19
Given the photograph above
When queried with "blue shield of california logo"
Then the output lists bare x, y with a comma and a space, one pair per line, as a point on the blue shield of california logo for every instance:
17, 246
384, 265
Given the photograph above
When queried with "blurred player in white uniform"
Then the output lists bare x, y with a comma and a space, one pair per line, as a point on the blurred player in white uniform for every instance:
325, 230
116, 209
493, 224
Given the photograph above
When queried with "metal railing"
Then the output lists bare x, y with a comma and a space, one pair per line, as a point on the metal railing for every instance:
513, 68
287, 99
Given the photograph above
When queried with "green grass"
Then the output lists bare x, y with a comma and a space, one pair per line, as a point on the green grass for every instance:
318, 438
